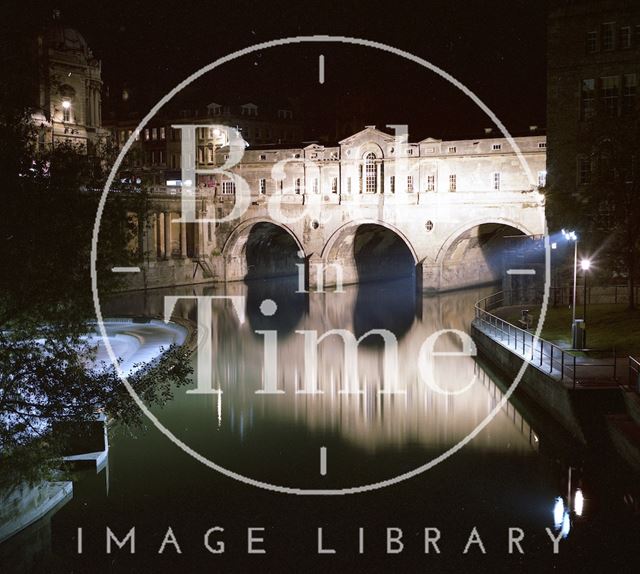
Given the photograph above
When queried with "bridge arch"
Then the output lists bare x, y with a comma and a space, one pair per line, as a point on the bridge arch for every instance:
472, 254
261, 247
470, 225
368, 249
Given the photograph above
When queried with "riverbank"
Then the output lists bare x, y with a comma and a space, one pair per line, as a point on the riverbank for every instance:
608, 325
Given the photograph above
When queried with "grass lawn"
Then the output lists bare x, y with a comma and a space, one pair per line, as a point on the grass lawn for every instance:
608, 326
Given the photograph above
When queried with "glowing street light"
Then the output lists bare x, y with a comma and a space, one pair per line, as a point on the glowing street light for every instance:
585, 264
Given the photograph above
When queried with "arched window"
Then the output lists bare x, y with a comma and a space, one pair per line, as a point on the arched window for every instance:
370, 173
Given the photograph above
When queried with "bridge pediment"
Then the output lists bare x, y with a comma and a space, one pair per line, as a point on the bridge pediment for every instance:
368, 139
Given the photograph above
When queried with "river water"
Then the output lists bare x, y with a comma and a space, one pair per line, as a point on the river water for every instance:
514, 473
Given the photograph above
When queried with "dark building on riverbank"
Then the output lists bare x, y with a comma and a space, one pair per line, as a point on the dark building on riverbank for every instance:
593, 51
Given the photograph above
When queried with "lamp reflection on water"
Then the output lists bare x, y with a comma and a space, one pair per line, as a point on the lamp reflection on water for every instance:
558, 512
566, 524
561, 518
578, 502
562, 514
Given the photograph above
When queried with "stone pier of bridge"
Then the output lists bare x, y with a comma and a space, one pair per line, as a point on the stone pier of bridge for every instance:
451, 241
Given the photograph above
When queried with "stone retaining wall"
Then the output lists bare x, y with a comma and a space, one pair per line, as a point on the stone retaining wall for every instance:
547, 391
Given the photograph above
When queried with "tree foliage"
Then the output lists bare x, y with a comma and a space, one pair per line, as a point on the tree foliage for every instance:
606, 208
48, 204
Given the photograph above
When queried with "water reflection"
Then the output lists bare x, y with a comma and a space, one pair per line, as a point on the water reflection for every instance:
392, 305
292, 306
369, 421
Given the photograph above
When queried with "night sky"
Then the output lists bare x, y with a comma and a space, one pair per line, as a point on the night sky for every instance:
495, 48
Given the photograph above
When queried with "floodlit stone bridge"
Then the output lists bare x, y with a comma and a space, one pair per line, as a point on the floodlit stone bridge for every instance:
371, 207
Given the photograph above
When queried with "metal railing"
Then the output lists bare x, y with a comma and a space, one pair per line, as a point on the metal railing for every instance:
539, 352
608, 294
634, 374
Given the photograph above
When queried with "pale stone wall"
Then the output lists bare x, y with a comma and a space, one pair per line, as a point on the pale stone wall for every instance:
322, 200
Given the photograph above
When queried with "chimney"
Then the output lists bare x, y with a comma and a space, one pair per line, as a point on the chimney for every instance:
487, 131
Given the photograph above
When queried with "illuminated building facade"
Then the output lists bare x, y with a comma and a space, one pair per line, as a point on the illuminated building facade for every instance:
68, 100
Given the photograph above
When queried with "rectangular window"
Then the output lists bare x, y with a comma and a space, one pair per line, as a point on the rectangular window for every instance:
587, 99
452, 149
122, 137
625, 37
161, 156
298, 186
431, 183
209, 155
163, 133
606, 170
200, 155
629, 89
409, 183
334, 185
608, 38
146, 134
592, 42
315, 185
628, 169
584, 170
392, 184
153, 157
263, 186
348, 185
154, 133
609, 92
496, 147
228, 187
452, 182
496, 181
542, 178
542, 145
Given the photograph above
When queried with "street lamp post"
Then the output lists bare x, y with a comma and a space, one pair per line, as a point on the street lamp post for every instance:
575, 277
585, 264
572, 236
66, 106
